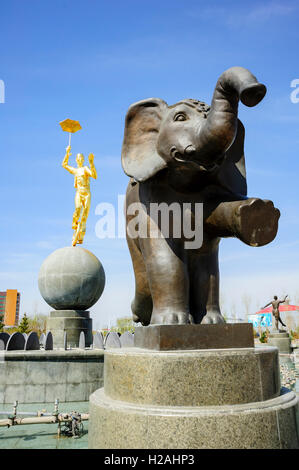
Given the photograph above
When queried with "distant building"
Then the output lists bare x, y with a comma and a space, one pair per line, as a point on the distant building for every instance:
10, 307
264, 318
234, 320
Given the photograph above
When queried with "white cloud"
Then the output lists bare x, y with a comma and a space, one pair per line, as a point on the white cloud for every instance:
244, 15
267, 11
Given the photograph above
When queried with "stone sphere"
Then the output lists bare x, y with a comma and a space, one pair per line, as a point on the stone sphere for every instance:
71, 278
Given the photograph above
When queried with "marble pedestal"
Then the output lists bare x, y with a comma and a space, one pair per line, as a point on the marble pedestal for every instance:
192, 399
72, 322
281, 340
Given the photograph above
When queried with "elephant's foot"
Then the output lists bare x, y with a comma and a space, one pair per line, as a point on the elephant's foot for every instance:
213, 316
142, 309
257, 221
136, 319
180, 318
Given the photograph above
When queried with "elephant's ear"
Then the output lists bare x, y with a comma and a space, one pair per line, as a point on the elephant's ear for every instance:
139, 156
232, 173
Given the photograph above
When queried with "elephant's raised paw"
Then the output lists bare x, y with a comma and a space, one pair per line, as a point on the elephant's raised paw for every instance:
252, 93
212, 317
170, 319
257, 221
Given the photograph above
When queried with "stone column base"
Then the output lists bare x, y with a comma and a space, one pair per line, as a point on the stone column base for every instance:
281, 340
72, 322
192, 399
263, 425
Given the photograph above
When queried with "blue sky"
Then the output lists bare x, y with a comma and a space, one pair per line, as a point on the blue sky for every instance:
89, 61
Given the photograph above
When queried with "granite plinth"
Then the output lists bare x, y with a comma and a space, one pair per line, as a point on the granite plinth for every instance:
183, 337
213, 398
191, 378
72, 322
280, 340
269, 424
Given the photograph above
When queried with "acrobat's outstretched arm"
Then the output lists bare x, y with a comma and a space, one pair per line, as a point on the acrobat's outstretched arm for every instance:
93, 171
282, 301
266, 305
66, 159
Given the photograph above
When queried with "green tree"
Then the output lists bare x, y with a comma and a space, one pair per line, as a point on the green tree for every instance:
38, 323
124, 324
264, 337
24, 325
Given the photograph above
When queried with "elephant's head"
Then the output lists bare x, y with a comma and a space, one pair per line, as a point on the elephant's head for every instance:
190, 132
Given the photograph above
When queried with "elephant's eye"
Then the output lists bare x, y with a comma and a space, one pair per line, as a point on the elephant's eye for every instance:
180, 117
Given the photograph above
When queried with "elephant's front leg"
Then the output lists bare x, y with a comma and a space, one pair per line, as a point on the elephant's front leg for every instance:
168, 280
254, 221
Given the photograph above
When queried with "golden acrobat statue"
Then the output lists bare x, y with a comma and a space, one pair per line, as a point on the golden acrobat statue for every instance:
82, 197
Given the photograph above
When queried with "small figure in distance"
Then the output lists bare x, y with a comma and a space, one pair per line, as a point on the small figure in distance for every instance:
275, 310
82, 197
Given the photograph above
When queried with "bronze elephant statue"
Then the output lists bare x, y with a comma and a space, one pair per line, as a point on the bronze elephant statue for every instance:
191, 153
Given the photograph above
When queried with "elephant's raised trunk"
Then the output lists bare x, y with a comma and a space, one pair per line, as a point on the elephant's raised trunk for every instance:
219, 131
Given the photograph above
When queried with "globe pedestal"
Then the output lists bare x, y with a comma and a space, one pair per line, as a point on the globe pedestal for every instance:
71, 322
71, 280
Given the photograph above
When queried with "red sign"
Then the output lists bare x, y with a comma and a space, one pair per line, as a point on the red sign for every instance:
282, 308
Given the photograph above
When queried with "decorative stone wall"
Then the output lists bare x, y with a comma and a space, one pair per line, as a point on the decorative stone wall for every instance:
42, 376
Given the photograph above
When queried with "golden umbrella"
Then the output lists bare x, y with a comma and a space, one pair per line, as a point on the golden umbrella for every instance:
71, 126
